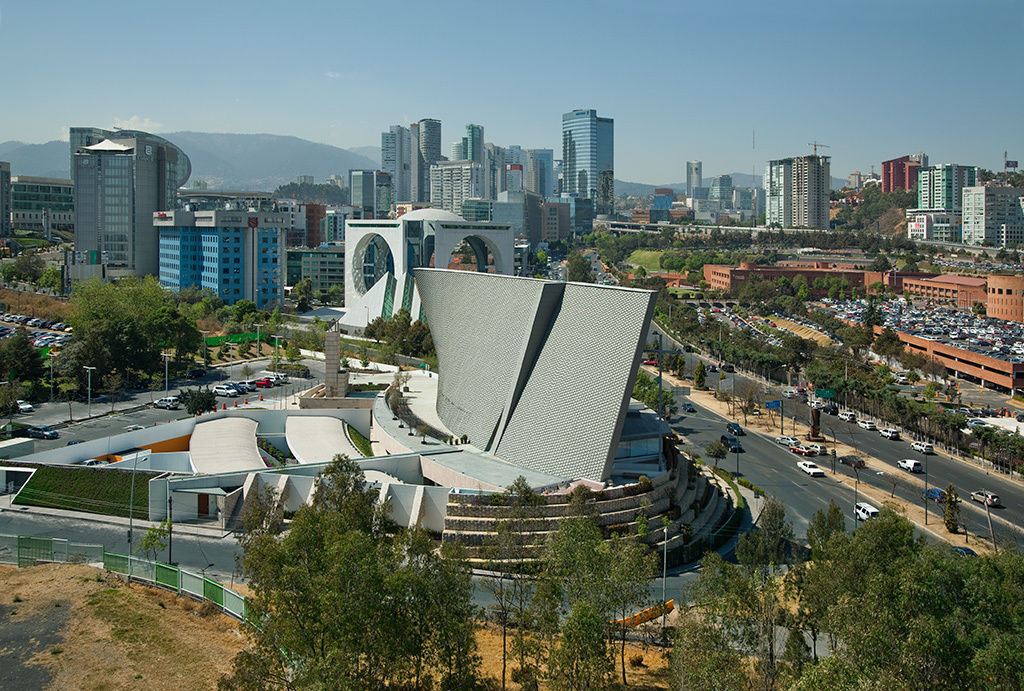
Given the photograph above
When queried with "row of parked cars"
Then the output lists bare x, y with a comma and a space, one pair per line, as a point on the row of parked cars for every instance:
239, 388
36, 322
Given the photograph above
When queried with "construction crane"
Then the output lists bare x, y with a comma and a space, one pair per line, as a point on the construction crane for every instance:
816, 145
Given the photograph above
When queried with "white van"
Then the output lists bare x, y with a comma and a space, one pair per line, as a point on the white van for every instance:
864, 511
848, 416
910, 465
923, 447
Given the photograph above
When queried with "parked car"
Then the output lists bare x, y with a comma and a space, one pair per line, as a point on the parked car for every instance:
787, 441
963, 551
25, 407
865, 511
852, 461
890, 433
732, 443
934, 494
41, 432
985, 497
810, 468
911, 465
195, 373
734, 428
848, 416
866, 424
689, 408
225, 390
728, 368
923, 447
818, 449
263, 383
651, 363
72, 442
167, 403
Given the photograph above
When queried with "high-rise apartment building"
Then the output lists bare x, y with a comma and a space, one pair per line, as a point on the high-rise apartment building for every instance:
797, 191
993, 216
458, 152
119, 183
588, 158
236, 254
5, 199
452, 182
901, 173
396, 160
473, 143
693, 176
940, 188
370, 192
425, 141
539, 174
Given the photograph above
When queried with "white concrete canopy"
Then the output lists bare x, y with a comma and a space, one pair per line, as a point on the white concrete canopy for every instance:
318, 439
225, 445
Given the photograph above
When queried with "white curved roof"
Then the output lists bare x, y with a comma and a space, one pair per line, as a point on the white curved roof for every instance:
432, 215
225, 445
316, 439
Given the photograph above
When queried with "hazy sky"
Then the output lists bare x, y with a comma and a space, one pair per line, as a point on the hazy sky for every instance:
683, 80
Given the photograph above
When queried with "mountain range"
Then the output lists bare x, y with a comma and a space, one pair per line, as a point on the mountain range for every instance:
263, 162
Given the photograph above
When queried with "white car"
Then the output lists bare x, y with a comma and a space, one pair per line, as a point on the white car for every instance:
225, 390
911, 465
923, 447
818, 405
25, 407
818, 449
865, 511
890, 433
866, 424
168, 403
810, 468
787, 441
848, 416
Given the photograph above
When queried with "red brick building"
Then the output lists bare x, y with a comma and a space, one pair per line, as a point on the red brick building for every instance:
962, 291
899, 174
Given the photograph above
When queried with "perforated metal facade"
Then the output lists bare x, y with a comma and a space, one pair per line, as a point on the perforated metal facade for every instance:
537, 372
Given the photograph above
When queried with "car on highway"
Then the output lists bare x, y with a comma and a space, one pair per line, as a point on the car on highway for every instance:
801, 450
225, 390
167, 403
864, 511
985, 497
41, 432
866, 424
787, 441
848, 416
732, 443
818, 449
831, 409
25, 407
890, 433
728, 368
911, 465
734, 428
810, 468
816, 405
789, 393
934, 494
852, 461
689, 408
922, 446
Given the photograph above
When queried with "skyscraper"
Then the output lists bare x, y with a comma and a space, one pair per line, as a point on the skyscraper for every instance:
428, 144
539, 172
940, 188
693, 177
371, 192
513, 177
797, 191
119, 183
588, 158
721, 191
452, 182
473, 143
396, 160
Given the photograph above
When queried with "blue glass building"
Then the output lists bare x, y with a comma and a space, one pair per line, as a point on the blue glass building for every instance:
588, 158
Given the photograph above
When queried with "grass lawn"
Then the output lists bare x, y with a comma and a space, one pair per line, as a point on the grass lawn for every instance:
649, 259
361, 442
96, 490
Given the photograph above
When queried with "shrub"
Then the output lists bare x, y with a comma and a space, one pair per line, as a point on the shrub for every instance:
636, 660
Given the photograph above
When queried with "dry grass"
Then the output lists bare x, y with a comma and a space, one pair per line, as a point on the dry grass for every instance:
32, 304
802, 331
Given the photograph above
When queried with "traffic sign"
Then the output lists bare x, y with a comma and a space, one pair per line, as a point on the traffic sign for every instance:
825, 393
773, 404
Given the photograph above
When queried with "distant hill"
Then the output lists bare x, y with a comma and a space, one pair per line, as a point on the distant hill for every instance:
225, 161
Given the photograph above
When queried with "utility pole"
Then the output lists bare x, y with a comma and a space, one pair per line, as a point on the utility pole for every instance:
661, 357
170, 526
924, 497
664, 577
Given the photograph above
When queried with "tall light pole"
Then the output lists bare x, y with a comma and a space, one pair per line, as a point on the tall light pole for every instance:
166, 357
259, 350
664, 580
51, 373
89, 369
131, 514
277, 344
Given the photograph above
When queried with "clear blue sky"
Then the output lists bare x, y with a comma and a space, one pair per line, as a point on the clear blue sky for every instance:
683, 80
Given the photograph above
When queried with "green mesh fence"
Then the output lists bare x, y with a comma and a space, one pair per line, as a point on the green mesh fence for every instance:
167, 576
34, 549
213, 591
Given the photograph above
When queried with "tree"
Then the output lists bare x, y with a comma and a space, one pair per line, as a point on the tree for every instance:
198, 401
292, 353
951, 509
67, 389
824, 524
29, 267
631, 569
155, 540
703, 658
581, 659
578, 269
542, 257
51, 279
716, 451
700, 375
112, 384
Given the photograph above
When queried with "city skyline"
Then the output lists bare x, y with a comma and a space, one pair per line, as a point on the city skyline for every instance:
856, 97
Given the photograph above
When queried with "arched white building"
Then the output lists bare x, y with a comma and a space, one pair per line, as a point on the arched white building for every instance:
381, 254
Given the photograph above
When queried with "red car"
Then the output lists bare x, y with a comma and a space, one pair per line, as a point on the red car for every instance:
802, 451
653, 363
263, 383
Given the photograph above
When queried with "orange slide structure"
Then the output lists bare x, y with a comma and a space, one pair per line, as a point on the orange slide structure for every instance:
647, 615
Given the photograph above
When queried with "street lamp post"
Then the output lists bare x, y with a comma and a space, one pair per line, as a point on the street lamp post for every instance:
166, 357
89, 369
131, 515
664, 580
277, 344
51, 375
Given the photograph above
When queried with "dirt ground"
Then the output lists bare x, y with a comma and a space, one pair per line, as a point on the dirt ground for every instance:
74, 627
68, 626
802, 331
